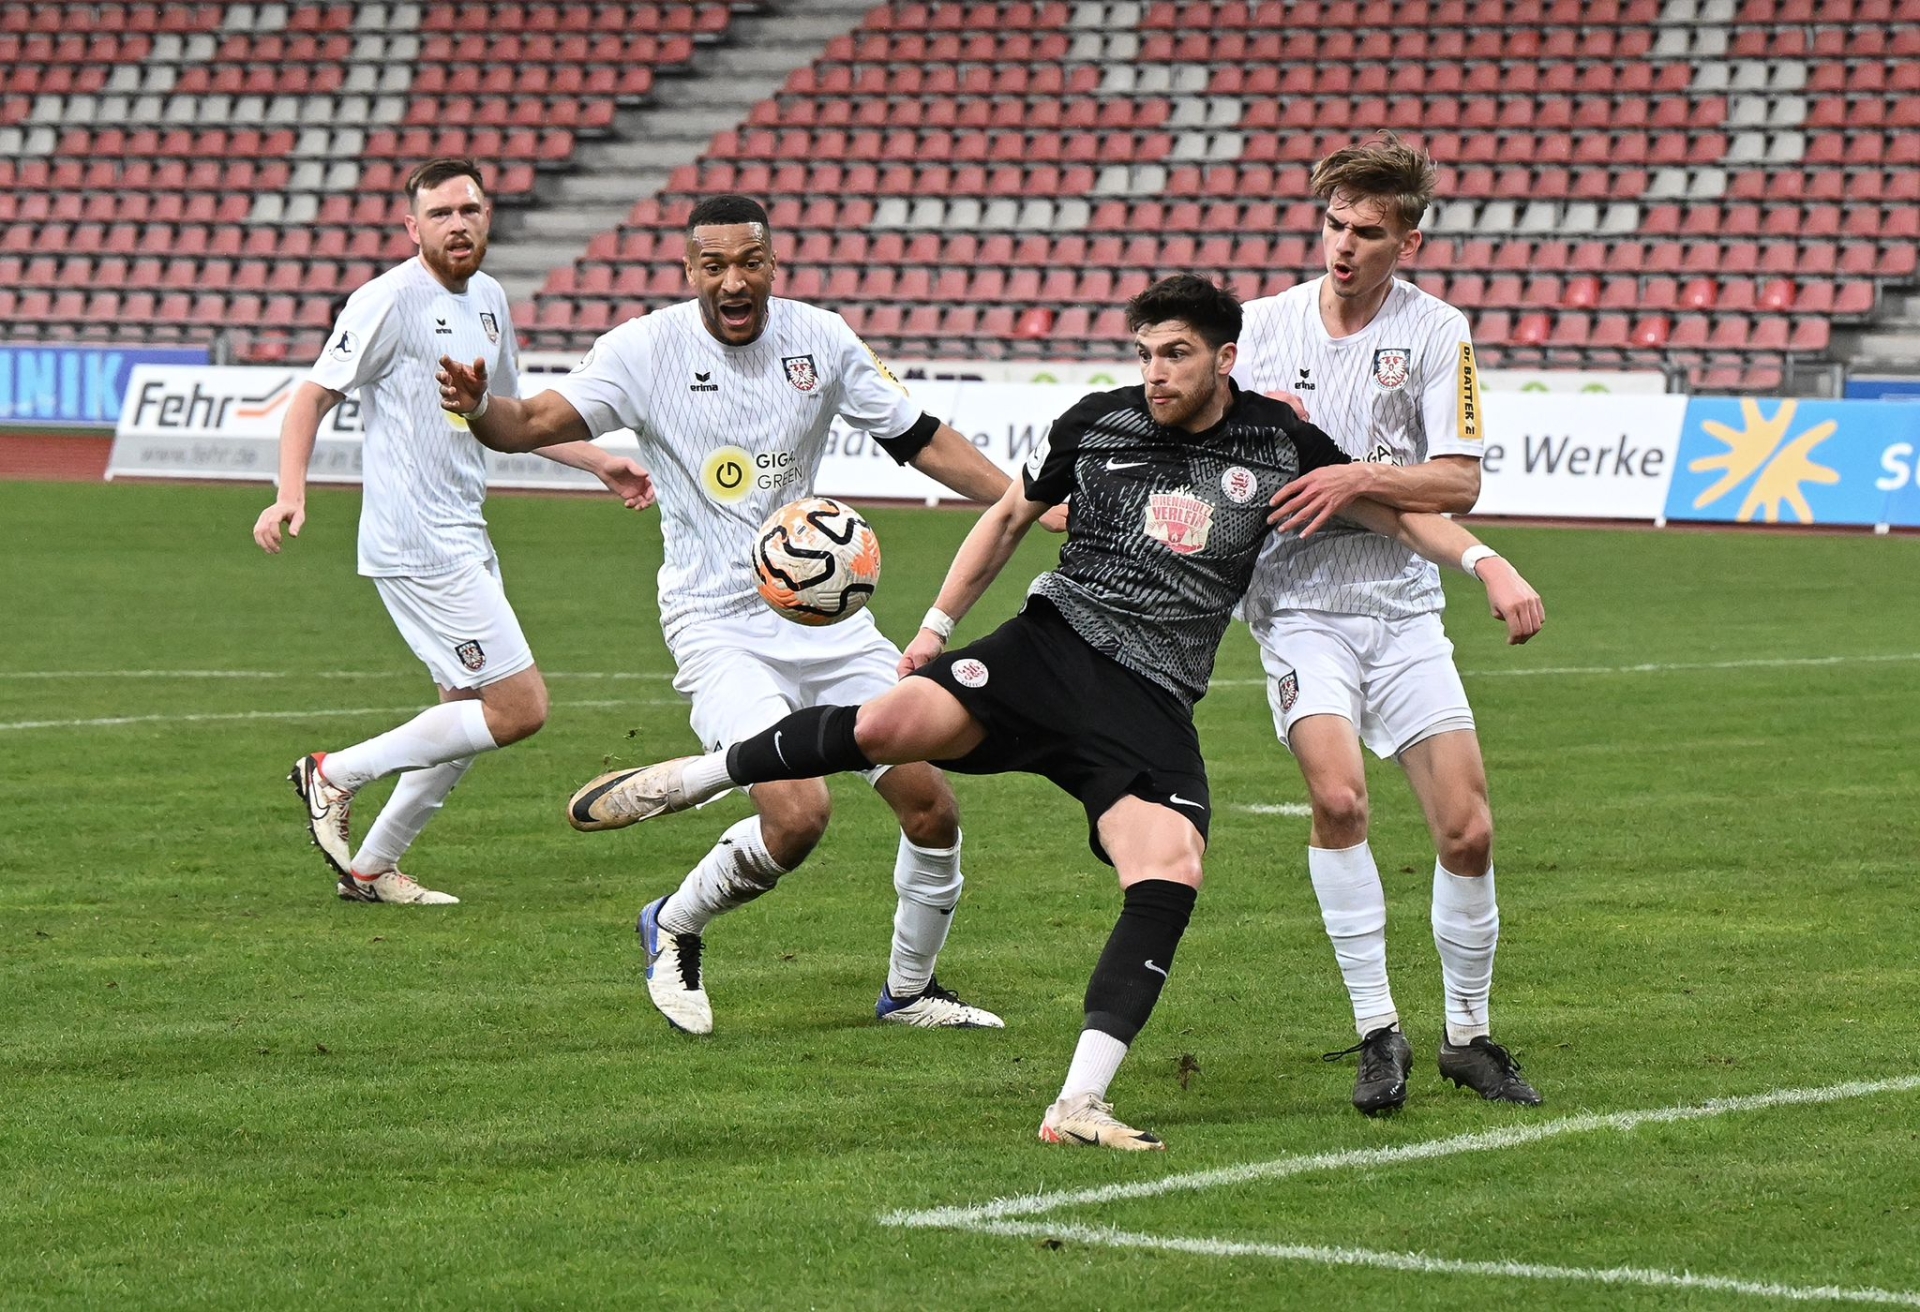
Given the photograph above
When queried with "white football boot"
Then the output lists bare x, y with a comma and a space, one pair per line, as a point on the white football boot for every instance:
329, 809
1086, 1122
674, 981
391, 886
934, 1008
626, 797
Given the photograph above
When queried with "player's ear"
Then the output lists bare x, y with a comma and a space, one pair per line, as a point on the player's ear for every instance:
1224, 358
1411, 243
413, 225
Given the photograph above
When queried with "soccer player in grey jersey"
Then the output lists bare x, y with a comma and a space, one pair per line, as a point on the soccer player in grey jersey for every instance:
735, 380
423, 537
1349, 623
1092, 684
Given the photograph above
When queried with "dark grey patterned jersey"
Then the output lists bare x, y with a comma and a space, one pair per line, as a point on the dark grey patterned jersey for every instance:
1164, 526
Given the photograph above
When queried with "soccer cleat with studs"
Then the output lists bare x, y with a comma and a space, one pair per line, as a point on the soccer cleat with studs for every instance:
626, 797
1489, 1070
329, 812
1386, 1059
392, 887
934, 1008
1083, 1121
674, 981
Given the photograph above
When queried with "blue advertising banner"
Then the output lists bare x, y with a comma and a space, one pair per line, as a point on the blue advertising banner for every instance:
1746, 461
74, 384
1883, 389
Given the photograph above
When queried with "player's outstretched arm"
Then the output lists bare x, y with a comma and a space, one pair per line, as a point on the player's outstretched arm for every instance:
625, 478
299, 429
988, 547
1445, 543
1444, 485
950, 459
502, 422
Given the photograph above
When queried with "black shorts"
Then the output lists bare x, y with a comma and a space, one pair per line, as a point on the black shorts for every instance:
1055, 707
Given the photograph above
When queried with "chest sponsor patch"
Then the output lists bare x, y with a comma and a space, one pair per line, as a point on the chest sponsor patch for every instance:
727, 475
1179, 520
1392, 367
800, 372
1239, 483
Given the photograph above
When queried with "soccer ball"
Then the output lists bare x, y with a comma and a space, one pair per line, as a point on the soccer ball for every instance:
816, 560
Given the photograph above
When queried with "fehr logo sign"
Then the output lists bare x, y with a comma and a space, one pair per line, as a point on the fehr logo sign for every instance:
1752, 461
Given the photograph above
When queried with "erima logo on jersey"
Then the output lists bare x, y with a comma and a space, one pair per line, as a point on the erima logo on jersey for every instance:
703, 383
1305, 384
440, 326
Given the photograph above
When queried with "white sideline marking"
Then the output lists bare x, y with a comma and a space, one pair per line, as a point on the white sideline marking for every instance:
1507, 1137
1275, 808
106, 721
1503, 672
1419, 1262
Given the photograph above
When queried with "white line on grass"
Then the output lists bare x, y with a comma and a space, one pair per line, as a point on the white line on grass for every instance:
1351, 1158
1274, 808
1419, 1262
107, 721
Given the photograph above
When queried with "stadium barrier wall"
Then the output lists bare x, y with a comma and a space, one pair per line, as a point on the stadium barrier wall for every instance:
1630, 457
73, 385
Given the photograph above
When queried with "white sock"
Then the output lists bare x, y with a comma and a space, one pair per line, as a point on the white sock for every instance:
1466, 928
415, 798
737, 870
1353, 906
928, 882
1096, 1059
437, 735
707, 774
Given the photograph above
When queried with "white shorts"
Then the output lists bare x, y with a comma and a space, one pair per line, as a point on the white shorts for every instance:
744, 673
1393, 680
459, 624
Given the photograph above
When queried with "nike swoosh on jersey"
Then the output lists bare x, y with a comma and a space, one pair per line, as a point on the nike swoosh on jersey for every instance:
1125, 464
1178, 800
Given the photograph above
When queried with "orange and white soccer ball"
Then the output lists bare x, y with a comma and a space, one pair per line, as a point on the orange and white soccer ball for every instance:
817, 561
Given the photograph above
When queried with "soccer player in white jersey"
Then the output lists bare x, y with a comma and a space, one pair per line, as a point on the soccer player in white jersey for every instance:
423, 538
1349, 622
732, 395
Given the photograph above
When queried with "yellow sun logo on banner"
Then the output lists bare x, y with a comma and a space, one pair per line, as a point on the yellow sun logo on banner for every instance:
1784, 464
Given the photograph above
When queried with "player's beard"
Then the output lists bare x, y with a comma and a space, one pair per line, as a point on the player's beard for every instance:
458, 268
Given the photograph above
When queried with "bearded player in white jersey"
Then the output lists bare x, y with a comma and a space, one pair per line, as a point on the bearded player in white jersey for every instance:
1349, 622
423, 539
732, 395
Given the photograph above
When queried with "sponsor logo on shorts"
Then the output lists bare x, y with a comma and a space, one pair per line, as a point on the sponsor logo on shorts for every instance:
472, 655
1180, 520
1239, 484
800, 372
1289, 690
1391, 367
970, 673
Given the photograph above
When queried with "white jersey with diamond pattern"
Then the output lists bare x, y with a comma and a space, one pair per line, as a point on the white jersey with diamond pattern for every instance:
1401, 390
730, 433
424, 476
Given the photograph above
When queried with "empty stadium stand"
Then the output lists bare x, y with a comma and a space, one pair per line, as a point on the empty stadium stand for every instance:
1705, 186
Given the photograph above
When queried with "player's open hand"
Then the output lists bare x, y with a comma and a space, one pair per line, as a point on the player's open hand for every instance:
266, 529
925, 646
1512, 599
1294, 400
628, 480
1055, 520
461, 387
1306, 504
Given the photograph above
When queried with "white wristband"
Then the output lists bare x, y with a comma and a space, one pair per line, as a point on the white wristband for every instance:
1470, 558
486, 399
938, 623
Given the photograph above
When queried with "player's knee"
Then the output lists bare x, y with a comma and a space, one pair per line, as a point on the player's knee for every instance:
930, 817
1466, 845
881, 729
793, 823
1340, 815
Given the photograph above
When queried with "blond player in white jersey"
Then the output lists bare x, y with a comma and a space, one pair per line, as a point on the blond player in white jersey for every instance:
1349, 622
423, 538
732, 395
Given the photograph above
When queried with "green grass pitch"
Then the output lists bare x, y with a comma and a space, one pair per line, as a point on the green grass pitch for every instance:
225, 1088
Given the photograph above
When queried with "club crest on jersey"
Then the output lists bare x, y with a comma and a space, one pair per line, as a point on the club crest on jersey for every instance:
490, 325
472, 655
1239, 483
800, 372
1179, 520
1391, 367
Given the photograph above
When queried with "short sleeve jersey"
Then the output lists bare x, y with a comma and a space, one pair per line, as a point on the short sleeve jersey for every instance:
424, 475
731, 433
1164, 526
1401, 390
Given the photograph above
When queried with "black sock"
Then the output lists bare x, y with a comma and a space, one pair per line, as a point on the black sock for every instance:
1133, 969
805, 745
